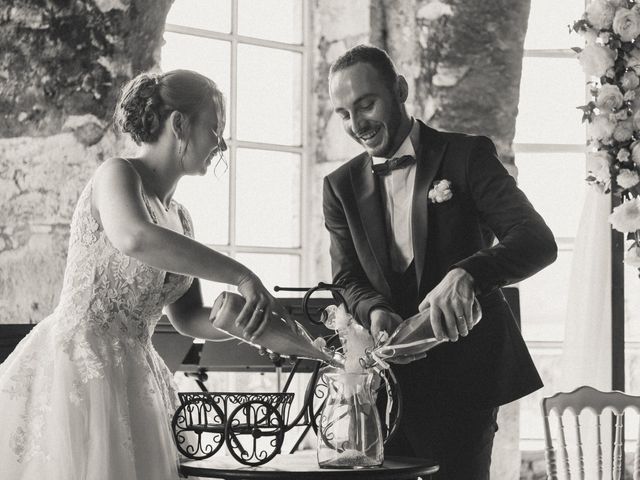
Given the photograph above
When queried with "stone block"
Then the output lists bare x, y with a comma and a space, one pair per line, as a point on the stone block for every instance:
31, 277
335, 19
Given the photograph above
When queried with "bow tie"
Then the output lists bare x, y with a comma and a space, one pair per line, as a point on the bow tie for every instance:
385, 168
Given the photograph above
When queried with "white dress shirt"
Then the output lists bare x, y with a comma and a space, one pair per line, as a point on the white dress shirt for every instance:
397, 192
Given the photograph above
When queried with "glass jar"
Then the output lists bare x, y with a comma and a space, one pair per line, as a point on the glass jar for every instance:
349, 431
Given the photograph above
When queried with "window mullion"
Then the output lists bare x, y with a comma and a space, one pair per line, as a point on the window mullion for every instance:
234, 128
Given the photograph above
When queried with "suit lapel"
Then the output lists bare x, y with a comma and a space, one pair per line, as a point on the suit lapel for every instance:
429, 157
369, 201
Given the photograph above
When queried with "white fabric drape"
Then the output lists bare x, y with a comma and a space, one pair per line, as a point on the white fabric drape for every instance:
586, 358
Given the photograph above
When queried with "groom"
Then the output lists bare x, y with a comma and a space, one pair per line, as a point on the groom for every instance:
399, 245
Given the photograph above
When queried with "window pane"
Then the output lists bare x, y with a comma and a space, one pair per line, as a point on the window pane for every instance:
207, 199
550, 91
204, 55
211, 290
269, 95
279, 20
273, 269
555, 185
268, 198
206, 14
543, 300
549, 21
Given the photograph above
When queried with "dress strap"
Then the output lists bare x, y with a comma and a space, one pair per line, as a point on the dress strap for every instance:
148, 205
145, 199
185, 218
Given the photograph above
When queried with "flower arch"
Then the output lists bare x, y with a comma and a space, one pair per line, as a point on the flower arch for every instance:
611, 58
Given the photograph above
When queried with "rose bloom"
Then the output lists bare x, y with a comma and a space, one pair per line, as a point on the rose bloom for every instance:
601, 13
635, 153
623, 155
630, 95
633, 60
623, 131
632, 258
627, 178
596, 59
635, 103
626, 217
626, 23
598, 165
609, 97
601, 128
636, 120
630, 80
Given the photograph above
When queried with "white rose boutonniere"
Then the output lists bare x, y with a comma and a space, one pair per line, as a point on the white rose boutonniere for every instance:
440, 192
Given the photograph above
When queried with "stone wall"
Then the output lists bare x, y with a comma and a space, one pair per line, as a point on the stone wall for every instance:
60, 72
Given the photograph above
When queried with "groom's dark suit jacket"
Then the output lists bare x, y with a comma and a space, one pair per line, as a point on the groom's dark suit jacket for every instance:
491, 366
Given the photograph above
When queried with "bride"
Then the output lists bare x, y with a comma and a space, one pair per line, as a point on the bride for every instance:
85, 395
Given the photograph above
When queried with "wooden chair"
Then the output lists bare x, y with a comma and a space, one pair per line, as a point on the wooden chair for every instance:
575, 402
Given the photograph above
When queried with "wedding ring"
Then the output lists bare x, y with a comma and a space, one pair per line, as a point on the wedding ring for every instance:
261, 310
461, 317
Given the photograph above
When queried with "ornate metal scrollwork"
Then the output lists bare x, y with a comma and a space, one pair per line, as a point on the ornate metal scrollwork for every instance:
252, 425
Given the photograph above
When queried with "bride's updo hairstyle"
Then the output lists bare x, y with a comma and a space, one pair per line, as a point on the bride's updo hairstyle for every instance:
148, 99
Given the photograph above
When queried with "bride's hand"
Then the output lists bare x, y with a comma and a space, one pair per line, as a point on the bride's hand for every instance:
259, 308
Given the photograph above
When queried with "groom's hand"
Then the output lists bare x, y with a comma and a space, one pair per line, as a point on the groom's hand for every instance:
450, 303
383, 320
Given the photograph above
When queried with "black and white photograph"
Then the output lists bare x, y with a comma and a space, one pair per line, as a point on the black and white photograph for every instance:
319, 239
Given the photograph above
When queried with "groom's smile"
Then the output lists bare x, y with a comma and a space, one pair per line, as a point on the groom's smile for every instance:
371, 112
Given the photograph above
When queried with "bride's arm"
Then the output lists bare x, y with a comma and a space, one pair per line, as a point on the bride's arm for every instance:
191, 318
118, 201
121, 211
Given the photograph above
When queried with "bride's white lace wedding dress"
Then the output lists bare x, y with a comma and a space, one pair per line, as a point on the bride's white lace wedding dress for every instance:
85, 396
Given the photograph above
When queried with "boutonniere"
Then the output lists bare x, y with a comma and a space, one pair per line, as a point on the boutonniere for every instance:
440, 192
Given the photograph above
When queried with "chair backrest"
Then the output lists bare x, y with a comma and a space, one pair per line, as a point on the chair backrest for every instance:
575, 402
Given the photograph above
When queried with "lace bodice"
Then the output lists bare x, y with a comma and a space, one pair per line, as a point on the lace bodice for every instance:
115, 294
85, 394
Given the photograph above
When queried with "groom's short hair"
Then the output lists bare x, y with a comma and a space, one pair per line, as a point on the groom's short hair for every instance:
374, 56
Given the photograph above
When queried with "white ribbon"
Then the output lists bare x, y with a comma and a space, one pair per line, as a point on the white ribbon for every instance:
384, 352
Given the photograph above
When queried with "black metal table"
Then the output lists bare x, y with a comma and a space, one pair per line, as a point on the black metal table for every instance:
304, 466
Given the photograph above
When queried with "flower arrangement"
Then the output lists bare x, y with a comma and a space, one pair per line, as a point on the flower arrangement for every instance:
611, 57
